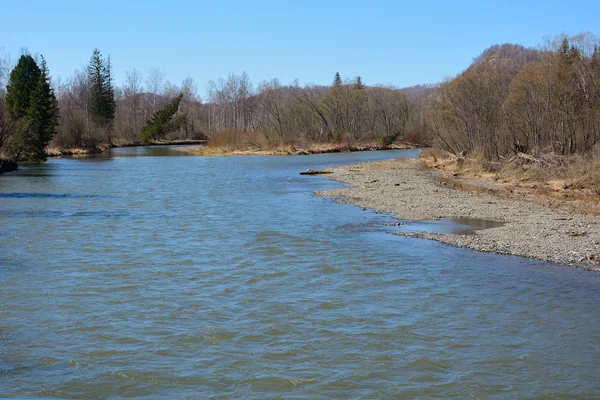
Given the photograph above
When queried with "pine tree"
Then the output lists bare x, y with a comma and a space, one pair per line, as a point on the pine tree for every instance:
102, 94
162, 122
337, 81
22, 82
96, 81
358, 85
110, 105
33, 112
43, 115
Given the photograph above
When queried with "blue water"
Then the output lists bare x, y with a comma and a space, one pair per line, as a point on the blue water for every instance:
198, 277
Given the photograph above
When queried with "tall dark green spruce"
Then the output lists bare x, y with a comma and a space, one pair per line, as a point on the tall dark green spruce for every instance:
102, 94
43, 115
22, 82
32, 110
162, 122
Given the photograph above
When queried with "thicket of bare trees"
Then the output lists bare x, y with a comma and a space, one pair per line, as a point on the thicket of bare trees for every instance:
511, 99
292, 113
271, 112
514, 99
137, 99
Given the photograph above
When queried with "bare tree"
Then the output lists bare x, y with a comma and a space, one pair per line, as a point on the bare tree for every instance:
154, 85
132, 94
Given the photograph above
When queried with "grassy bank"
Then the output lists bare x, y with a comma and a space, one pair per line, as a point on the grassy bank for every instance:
567, 182
316, 148
256, 143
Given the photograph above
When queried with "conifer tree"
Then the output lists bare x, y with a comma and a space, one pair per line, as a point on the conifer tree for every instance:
162, 122
337, 81
43, 115
32, 109
22, 82
358, 85
102, 94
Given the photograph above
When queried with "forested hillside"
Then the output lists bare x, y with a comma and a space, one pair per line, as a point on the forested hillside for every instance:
513, 99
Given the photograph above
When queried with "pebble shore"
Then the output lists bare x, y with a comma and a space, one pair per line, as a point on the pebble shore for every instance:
403, 188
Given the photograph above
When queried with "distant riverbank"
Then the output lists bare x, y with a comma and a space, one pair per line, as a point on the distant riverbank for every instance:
317, 148
530, 229
60, 151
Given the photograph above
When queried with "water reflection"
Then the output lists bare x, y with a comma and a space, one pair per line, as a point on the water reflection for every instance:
138, 151
17, 195
456, 226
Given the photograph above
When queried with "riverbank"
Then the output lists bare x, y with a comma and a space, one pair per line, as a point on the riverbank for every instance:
7, 166
531, 229
317, 148
59, 151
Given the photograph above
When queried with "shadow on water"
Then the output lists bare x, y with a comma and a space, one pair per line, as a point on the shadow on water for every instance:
80, 214
50, 196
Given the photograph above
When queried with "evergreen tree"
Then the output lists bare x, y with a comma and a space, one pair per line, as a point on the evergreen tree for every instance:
162, 122
358, 85
22, 82
109, 94
337, 81
102, 94
34, 126
43, 114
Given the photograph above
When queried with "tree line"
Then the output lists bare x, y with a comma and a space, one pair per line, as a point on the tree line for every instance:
87, 110
511, 99
293, 114
91, 111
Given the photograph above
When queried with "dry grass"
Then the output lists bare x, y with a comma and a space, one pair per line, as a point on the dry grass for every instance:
584, 174
248, 143
239, 140
571, 183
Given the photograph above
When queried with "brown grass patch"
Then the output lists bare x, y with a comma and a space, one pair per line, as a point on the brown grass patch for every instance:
571, 183
248, 143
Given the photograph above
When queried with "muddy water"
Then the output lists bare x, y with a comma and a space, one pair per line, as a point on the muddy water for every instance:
187, 277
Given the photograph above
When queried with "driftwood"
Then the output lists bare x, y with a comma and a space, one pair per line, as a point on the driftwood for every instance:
314, 172
529, 158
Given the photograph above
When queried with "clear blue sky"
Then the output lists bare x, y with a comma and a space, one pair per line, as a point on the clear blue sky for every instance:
401, 43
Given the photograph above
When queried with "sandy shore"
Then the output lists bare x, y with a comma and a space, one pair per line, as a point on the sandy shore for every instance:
405, 189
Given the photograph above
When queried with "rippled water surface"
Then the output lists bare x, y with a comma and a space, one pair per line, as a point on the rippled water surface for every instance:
190, 277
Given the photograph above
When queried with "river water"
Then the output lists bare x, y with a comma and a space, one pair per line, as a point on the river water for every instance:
140, 274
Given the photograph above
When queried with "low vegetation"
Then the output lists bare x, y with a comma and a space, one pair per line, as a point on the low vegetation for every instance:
571, 182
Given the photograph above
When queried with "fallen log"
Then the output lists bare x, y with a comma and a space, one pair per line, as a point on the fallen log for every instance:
531, 158
314, 172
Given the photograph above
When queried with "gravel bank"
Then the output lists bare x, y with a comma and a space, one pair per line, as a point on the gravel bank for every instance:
403, 188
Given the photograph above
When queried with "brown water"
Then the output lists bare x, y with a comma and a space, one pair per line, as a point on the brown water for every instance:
191, 277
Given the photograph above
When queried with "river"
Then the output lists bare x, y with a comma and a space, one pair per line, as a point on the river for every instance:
144, 274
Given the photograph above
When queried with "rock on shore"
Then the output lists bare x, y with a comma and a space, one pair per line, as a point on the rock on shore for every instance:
405, 189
